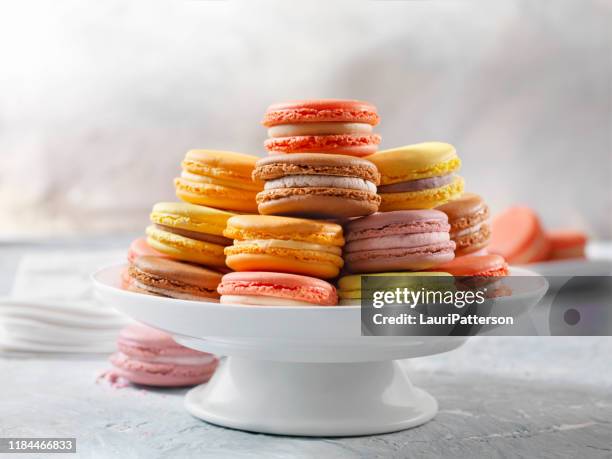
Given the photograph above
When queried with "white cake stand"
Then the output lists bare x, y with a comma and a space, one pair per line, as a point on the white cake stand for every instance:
291, 370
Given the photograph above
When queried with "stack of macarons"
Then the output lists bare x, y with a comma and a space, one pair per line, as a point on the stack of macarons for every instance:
314, 167
183, 253
323, 182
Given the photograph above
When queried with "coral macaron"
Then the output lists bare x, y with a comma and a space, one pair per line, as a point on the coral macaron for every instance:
188, 232
517, 235
322, 126
220, 179
140, 247
317, 185
476, 266
408, 240
151, 357
294, 245
420, 176
566, 244
276, 289
165, 277
468, 217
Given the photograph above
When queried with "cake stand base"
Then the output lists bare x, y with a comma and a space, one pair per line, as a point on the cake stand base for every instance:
311, 399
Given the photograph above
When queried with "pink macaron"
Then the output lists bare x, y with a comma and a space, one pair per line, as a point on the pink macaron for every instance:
276, 289
403, 240
151, 357
140, 247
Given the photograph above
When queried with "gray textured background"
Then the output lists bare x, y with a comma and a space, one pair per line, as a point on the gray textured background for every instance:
100, 100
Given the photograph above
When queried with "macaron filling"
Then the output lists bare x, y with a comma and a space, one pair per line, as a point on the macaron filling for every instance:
204, 237
411, 240
418, 185
327, 181
470, 230
323, 128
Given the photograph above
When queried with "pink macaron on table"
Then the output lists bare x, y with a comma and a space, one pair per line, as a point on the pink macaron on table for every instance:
293, 369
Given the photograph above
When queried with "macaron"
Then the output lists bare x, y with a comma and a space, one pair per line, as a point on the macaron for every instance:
151, 357
566, 244
468, 217
276, 289
476, 266
517, 235
322, 126
188, 232
220, 179
403, 240
139, 247
420, 176
350, 292
284, 244
317, 185
162, 276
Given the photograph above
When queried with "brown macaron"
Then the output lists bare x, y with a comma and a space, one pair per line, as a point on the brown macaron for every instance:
468, 216
174, 279
319, 185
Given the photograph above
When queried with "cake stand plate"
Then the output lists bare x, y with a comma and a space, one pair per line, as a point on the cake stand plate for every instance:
291, 370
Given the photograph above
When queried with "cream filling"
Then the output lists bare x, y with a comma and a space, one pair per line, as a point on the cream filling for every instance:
296, 245
330, 128
219, 181
327, 181
466, 231
261, 300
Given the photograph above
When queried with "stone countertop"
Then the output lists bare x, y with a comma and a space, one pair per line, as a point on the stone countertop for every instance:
498, 396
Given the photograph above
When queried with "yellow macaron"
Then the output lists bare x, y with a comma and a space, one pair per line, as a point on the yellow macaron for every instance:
284, 244
188, 232
420, 176
349, 287
220, 179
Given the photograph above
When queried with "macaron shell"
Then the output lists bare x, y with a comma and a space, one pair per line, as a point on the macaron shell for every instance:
185, 249
277, 166
278, 227
566, 244
191, 217
397, 222
476, 265
219, 164
279, 285
356, 145
400, 259
423, 199
473, 242
309, 263
517, 235
321, 110
219, 196
413, 162
317, 202
139, 247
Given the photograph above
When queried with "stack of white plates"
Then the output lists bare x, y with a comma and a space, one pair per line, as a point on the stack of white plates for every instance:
51, 307
58, 327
